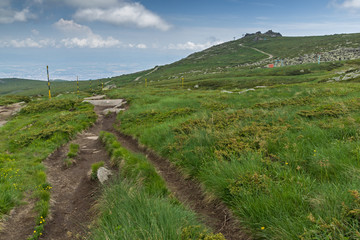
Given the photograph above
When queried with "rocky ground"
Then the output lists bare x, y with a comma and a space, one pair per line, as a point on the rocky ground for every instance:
7, 111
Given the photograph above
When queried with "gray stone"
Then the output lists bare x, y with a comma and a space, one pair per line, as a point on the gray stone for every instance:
103, 174
247, 90
225, 91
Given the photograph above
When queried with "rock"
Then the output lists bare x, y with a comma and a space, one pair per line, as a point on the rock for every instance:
99, 97
93, 138
2, 123
247, 90
113, 110
225, 91
103, 174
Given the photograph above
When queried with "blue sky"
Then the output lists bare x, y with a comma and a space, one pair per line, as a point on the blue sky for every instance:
104, 38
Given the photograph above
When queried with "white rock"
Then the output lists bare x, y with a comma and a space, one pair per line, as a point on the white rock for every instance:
93, 138
225, 91
247, 90
103, 174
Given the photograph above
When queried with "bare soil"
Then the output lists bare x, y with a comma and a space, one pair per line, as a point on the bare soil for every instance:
7, 111
73, 192
20, 222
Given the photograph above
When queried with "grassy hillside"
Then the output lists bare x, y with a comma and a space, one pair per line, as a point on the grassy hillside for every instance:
285, 47
224, 61
284, 158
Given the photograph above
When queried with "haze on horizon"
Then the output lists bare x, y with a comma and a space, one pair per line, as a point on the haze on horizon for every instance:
103, 38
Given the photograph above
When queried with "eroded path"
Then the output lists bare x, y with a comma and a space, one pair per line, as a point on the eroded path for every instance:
73, 194
270, 56
212, 212
7, 111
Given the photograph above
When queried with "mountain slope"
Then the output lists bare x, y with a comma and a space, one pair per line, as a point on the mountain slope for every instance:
232, 60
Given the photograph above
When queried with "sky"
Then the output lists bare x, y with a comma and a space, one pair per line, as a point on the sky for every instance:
95, 39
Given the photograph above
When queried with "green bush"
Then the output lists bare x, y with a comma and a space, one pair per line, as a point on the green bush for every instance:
94, 169
73, 150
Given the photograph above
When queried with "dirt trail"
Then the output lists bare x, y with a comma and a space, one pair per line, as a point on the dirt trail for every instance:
258, 50
73, 194
7, 111
154, 70
20, 222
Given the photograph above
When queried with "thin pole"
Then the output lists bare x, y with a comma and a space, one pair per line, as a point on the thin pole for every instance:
77, 84
47, 69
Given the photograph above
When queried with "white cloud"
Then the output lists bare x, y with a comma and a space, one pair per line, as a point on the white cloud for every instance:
192, 46
127, 14
141, 46
10, 16
82, 36
28, 43
72, 28
92, 3
351, 4
94, 41
35, 32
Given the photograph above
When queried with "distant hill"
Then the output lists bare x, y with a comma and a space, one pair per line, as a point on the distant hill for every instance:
27, 87
252, 51
16, 86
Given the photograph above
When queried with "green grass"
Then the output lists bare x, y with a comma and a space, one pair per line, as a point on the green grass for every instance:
73, 150
94, 168
285, 158
73, 153
25, 87
13, 99
137, 205
38, 130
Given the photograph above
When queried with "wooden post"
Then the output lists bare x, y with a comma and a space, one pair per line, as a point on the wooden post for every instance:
47, 69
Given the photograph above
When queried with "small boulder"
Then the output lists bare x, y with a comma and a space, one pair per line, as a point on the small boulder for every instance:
103, 174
